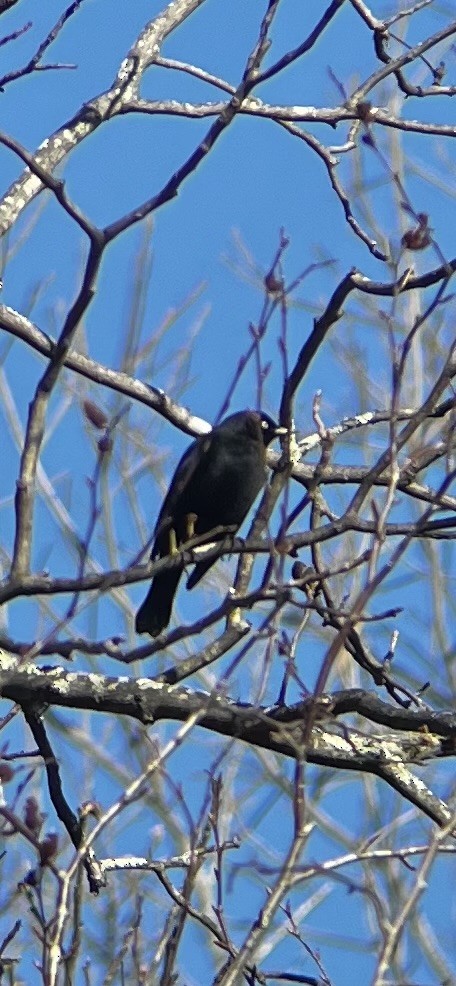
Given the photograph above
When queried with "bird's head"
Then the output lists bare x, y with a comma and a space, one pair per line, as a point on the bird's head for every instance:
254, 424
269, 429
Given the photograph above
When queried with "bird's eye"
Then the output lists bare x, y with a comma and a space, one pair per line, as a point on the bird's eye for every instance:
265, 424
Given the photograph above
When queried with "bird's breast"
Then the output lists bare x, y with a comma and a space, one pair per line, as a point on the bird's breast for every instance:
229, 484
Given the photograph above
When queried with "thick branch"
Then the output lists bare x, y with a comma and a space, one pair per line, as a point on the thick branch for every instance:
281, 730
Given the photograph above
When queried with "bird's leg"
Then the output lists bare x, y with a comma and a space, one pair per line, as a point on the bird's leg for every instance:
172, 541
190, 524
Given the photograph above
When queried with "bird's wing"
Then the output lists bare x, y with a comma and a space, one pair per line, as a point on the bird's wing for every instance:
185, 470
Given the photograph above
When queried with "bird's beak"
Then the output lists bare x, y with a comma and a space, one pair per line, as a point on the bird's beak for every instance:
280, 430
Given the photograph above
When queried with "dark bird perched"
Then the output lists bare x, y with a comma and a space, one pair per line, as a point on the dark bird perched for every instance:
214, 485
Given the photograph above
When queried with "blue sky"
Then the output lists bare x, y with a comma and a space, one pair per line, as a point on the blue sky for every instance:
257, 181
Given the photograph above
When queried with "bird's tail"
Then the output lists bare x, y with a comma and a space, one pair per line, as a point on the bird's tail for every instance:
154, 614
202, 567
199, 570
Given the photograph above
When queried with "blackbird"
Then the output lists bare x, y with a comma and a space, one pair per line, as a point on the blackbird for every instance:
215, 484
